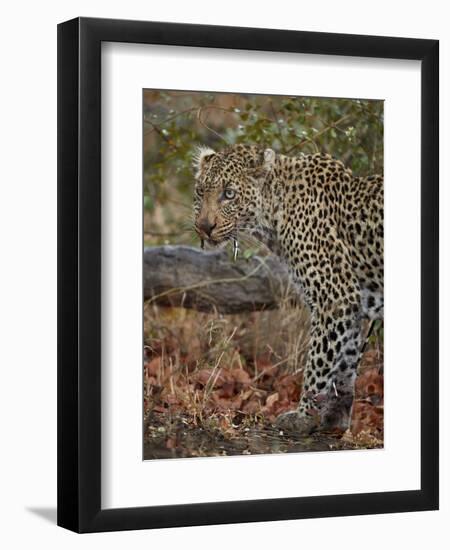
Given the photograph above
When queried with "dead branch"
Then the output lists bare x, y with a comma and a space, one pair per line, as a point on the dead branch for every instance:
185, 276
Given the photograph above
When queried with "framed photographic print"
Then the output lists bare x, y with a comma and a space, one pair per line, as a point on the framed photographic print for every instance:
248, 275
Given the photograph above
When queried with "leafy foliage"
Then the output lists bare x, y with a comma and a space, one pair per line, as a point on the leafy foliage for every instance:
174, 122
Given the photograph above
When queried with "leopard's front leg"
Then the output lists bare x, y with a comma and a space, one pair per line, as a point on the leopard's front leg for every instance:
330, 372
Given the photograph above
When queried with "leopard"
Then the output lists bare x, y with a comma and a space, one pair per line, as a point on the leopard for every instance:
327, 226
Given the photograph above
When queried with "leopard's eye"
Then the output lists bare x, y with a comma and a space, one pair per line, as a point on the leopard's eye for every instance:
229, 194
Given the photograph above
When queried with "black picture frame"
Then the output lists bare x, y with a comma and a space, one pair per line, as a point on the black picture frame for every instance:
79, 274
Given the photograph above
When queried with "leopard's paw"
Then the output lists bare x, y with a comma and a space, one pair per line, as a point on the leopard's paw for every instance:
297, 423
336, 414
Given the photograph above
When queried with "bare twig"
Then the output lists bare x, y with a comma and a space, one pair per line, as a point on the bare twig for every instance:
161, 133
164, 122
203, 123
275, 116
318, 134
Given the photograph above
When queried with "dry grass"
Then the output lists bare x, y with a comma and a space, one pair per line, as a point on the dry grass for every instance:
186, 349
224, 375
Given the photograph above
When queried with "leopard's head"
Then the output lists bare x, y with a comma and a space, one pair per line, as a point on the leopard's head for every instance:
228, 193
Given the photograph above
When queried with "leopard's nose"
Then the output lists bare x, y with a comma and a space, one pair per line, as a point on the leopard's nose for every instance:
206, 226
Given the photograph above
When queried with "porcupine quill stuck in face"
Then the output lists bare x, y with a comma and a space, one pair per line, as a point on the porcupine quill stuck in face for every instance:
235, 249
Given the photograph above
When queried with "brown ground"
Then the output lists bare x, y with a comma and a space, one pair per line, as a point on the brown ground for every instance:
214, 385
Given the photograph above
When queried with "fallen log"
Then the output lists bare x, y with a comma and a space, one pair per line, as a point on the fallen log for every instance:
185, 276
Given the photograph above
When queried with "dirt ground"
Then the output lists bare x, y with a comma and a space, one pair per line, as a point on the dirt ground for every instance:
218, 392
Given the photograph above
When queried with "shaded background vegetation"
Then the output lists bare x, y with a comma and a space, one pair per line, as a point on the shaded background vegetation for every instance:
211, 380
174, 122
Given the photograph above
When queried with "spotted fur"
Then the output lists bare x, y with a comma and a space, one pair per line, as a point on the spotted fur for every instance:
327, 225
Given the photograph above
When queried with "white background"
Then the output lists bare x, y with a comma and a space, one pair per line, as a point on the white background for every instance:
126, 479
28, 290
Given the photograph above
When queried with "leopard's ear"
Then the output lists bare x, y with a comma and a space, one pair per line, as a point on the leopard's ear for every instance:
267, 162
269, 159
201, 157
